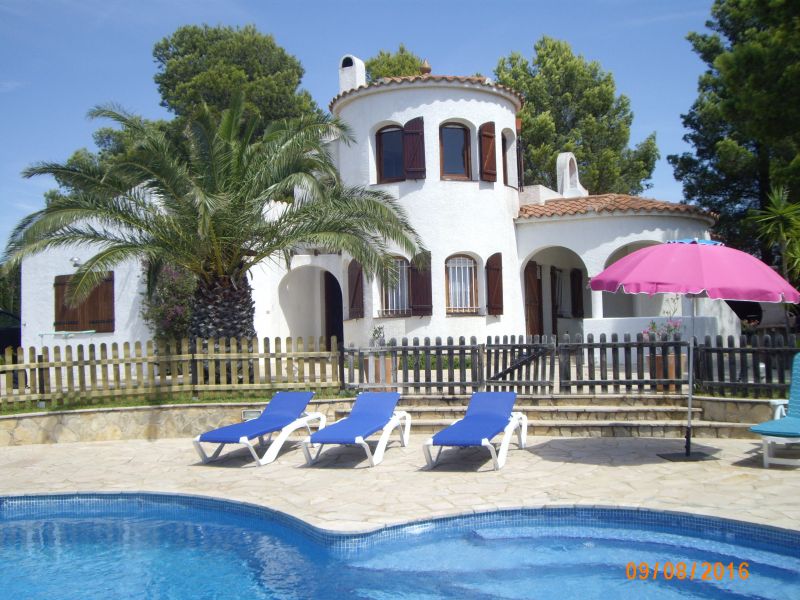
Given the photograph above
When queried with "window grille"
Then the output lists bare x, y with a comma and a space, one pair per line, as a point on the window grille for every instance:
395, 295
462, 292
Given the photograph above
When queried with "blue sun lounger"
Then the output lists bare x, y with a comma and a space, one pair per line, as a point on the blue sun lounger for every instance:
372, 412
488, 414
785, 430
284, 413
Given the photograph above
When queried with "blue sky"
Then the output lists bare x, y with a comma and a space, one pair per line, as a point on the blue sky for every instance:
61, 57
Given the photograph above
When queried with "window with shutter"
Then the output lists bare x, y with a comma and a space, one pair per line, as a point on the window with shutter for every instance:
494, 284
576, 293
96, 313
414, 149
355, 289
390, 154
454, 151
487, 148
419, 283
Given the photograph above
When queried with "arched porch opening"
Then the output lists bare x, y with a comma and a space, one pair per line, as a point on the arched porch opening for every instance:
310, 298
620, 305
555, 293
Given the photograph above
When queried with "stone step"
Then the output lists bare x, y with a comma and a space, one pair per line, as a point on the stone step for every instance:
572, 428
570, 413
555, 400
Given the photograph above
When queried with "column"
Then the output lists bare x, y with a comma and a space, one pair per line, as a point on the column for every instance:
597, 305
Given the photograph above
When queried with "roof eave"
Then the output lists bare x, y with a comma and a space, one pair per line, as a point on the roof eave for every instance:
384, 86
593, 214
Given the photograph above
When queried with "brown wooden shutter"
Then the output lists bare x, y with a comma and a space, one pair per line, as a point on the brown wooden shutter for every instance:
414, 149
98, 309
488, 158
576, 292
66, 318
520, 163
553, 304
494, 284
355, 288
533, 300
419, 280
95, 313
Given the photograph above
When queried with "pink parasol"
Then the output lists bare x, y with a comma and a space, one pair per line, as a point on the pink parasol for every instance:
696, 268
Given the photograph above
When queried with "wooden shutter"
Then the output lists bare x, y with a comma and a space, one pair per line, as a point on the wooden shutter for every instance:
95, 313
494, 284
355, 288
98, 309
553, 298
414, 149
533, 299
419, 282
66, 318
520, 163
576, 292
488, 158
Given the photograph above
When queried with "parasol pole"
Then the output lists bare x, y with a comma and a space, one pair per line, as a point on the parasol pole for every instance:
691, 384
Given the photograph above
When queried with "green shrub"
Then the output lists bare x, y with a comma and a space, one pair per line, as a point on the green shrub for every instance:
168, 308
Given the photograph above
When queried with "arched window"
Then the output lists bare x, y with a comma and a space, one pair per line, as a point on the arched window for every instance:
389, 145
461, 281
395, 290
454, 150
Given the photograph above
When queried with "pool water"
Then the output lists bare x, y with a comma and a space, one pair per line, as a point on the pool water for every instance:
155, 546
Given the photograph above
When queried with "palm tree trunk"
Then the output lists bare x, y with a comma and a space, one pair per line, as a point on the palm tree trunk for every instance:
223, 309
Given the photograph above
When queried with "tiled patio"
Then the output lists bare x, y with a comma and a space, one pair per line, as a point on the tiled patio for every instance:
342, 493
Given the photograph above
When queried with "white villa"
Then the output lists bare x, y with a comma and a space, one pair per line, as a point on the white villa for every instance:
503, 260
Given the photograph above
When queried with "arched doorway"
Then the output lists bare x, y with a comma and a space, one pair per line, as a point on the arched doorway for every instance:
620, 305
310, 299
334, 321
554, 284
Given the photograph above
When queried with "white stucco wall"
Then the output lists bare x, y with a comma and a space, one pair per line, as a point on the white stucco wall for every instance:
38, 300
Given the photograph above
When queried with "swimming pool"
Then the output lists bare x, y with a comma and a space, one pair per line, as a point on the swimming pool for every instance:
161, 546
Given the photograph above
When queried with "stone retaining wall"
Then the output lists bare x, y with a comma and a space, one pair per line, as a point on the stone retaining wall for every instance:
734, 410
189, 420
141, 422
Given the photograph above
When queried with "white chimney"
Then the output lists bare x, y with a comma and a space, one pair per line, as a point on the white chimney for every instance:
352, 73
569, 186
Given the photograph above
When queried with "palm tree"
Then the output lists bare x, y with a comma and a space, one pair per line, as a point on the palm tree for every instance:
215, 207
778, 224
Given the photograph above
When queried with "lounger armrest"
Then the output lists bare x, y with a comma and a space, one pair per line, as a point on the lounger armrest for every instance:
778, 408
315, 416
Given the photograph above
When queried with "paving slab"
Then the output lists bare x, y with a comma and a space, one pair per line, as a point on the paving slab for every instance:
341, 492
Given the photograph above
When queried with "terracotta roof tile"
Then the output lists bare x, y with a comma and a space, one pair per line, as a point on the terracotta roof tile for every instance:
411, 79
605, 203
